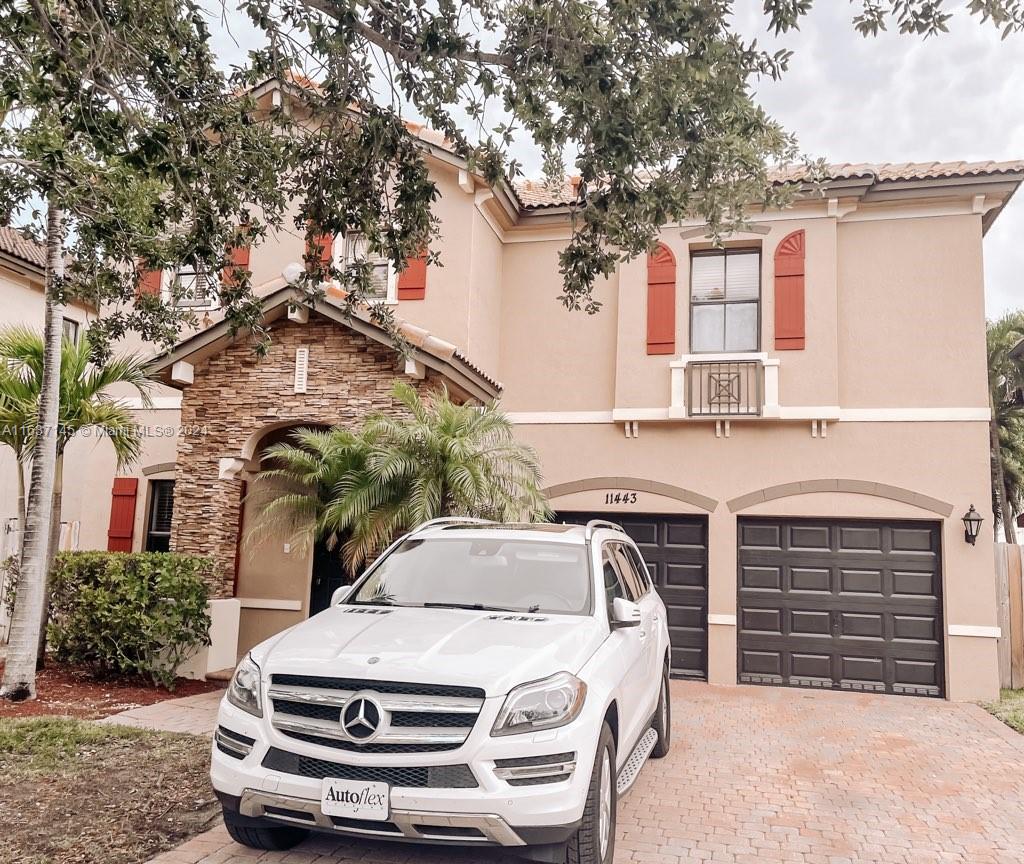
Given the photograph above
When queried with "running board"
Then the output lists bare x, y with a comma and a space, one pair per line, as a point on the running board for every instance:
631, 770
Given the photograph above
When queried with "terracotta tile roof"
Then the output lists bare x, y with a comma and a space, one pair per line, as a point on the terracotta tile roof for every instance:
537, 193
15, 244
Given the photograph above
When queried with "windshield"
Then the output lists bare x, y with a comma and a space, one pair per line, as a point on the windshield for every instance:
503, 575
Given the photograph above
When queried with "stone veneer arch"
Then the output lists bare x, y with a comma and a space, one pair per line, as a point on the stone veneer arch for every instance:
634, 484
856, 487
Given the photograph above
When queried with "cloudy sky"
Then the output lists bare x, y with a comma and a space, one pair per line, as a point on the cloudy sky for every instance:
902, 99
888, 98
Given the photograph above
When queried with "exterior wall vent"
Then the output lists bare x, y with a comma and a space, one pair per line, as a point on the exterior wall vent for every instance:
301, 369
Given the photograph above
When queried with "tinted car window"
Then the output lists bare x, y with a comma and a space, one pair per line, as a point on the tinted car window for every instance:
641, 568
634, 588
610, 575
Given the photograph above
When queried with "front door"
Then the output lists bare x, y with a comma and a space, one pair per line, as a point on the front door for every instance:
329, 574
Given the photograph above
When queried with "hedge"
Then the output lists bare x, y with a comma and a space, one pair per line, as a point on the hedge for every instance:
133, 613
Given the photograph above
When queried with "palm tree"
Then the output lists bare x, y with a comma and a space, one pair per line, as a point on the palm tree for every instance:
1006, 429
86, 402
366, 487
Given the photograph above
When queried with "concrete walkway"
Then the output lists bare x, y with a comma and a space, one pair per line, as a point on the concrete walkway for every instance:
196, 715
761, 775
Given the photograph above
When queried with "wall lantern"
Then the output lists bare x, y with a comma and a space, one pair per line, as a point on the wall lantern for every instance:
972, 525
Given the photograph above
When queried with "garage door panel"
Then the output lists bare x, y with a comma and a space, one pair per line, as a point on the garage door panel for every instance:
914, 540
760, 536
761, 578
861, 581
871, 670
761, 662
861, 625
804, 665
809, 622
685, 576
689, 662
916, 628
762, 620
644, 532
859, 539
685, 534
915, 584
674, 548
686, 617
921, 674
808, 537
863, 614
816, 579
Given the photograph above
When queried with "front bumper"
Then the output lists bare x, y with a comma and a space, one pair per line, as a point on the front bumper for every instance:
494, 812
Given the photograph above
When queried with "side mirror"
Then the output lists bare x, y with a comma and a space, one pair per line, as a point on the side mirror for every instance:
340, 594
624, 613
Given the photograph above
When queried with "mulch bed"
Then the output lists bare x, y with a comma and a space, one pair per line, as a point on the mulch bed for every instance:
71, 691
75, 792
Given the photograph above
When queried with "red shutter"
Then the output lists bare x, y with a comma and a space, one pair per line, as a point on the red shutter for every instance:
789, 292
412, 281
149, 281
320, 246
661, 301
239, 258
122, 514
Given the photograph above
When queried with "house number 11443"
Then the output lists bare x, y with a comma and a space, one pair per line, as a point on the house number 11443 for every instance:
620, 498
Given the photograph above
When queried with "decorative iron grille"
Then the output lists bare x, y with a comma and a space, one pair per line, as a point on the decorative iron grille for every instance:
724, 389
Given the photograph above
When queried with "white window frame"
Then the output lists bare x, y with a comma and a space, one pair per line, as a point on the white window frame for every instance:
169, 277
345, 252
725, 254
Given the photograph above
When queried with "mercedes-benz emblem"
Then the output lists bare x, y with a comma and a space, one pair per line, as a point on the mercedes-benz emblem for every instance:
362, 719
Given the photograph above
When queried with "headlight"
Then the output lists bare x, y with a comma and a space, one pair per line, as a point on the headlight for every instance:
544, 704
244, 689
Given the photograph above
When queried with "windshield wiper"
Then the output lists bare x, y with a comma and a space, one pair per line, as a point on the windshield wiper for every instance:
476, 607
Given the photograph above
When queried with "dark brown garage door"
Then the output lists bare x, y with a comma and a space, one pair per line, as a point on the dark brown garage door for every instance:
676, 551
850, 605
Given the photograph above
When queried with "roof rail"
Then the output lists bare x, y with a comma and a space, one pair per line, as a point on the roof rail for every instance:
594, 524
450, 520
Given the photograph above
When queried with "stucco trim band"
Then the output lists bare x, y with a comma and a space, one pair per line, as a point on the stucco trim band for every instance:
634, 484
270, 603
159, 468
856, 487
974, 630
721, 618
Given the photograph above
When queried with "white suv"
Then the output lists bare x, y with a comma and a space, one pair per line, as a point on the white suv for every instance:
480, 684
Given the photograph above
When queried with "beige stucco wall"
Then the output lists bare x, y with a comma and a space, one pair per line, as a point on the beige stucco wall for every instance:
914, 456
911, 318
553, 359
894, 320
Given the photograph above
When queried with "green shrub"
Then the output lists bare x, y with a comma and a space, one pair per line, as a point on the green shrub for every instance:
138, 613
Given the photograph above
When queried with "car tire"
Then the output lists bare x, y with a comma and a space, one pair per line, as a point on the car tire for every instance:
663, 719
594, 842
276, 838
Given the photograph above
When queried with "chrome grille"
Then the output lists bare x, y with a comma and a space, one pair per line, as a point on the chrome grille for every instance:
414, 718
434, 777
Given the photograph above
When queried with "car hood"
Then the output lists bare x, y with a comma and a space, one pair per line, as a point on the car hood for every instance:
491, 650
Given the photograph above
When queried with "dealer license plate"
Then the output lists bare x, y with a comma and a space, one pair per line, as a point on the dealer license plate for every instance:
356, 799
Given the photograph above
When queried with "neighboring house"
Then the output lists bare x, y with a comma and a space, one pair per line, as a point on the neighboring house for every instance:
791, 427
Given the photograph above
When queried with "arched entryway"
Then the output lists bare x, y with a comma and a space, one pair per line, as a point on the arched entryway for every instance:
280, 579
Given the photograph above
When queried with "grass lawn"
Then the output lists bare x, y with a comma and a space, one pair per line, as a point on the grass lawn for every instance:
73, 792
1009, 709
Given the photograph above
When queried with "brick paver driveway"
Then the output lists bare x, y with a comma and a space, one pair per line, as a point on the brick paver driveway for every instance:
765, 775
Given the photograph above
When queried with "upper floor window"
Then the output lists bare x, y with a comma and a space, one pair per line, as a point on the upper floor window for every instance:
383, 279
725, 301
70, 327
192, 287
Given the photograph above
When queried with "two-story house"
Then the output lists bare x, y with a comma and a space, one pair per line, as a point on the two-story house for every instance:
792, 426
